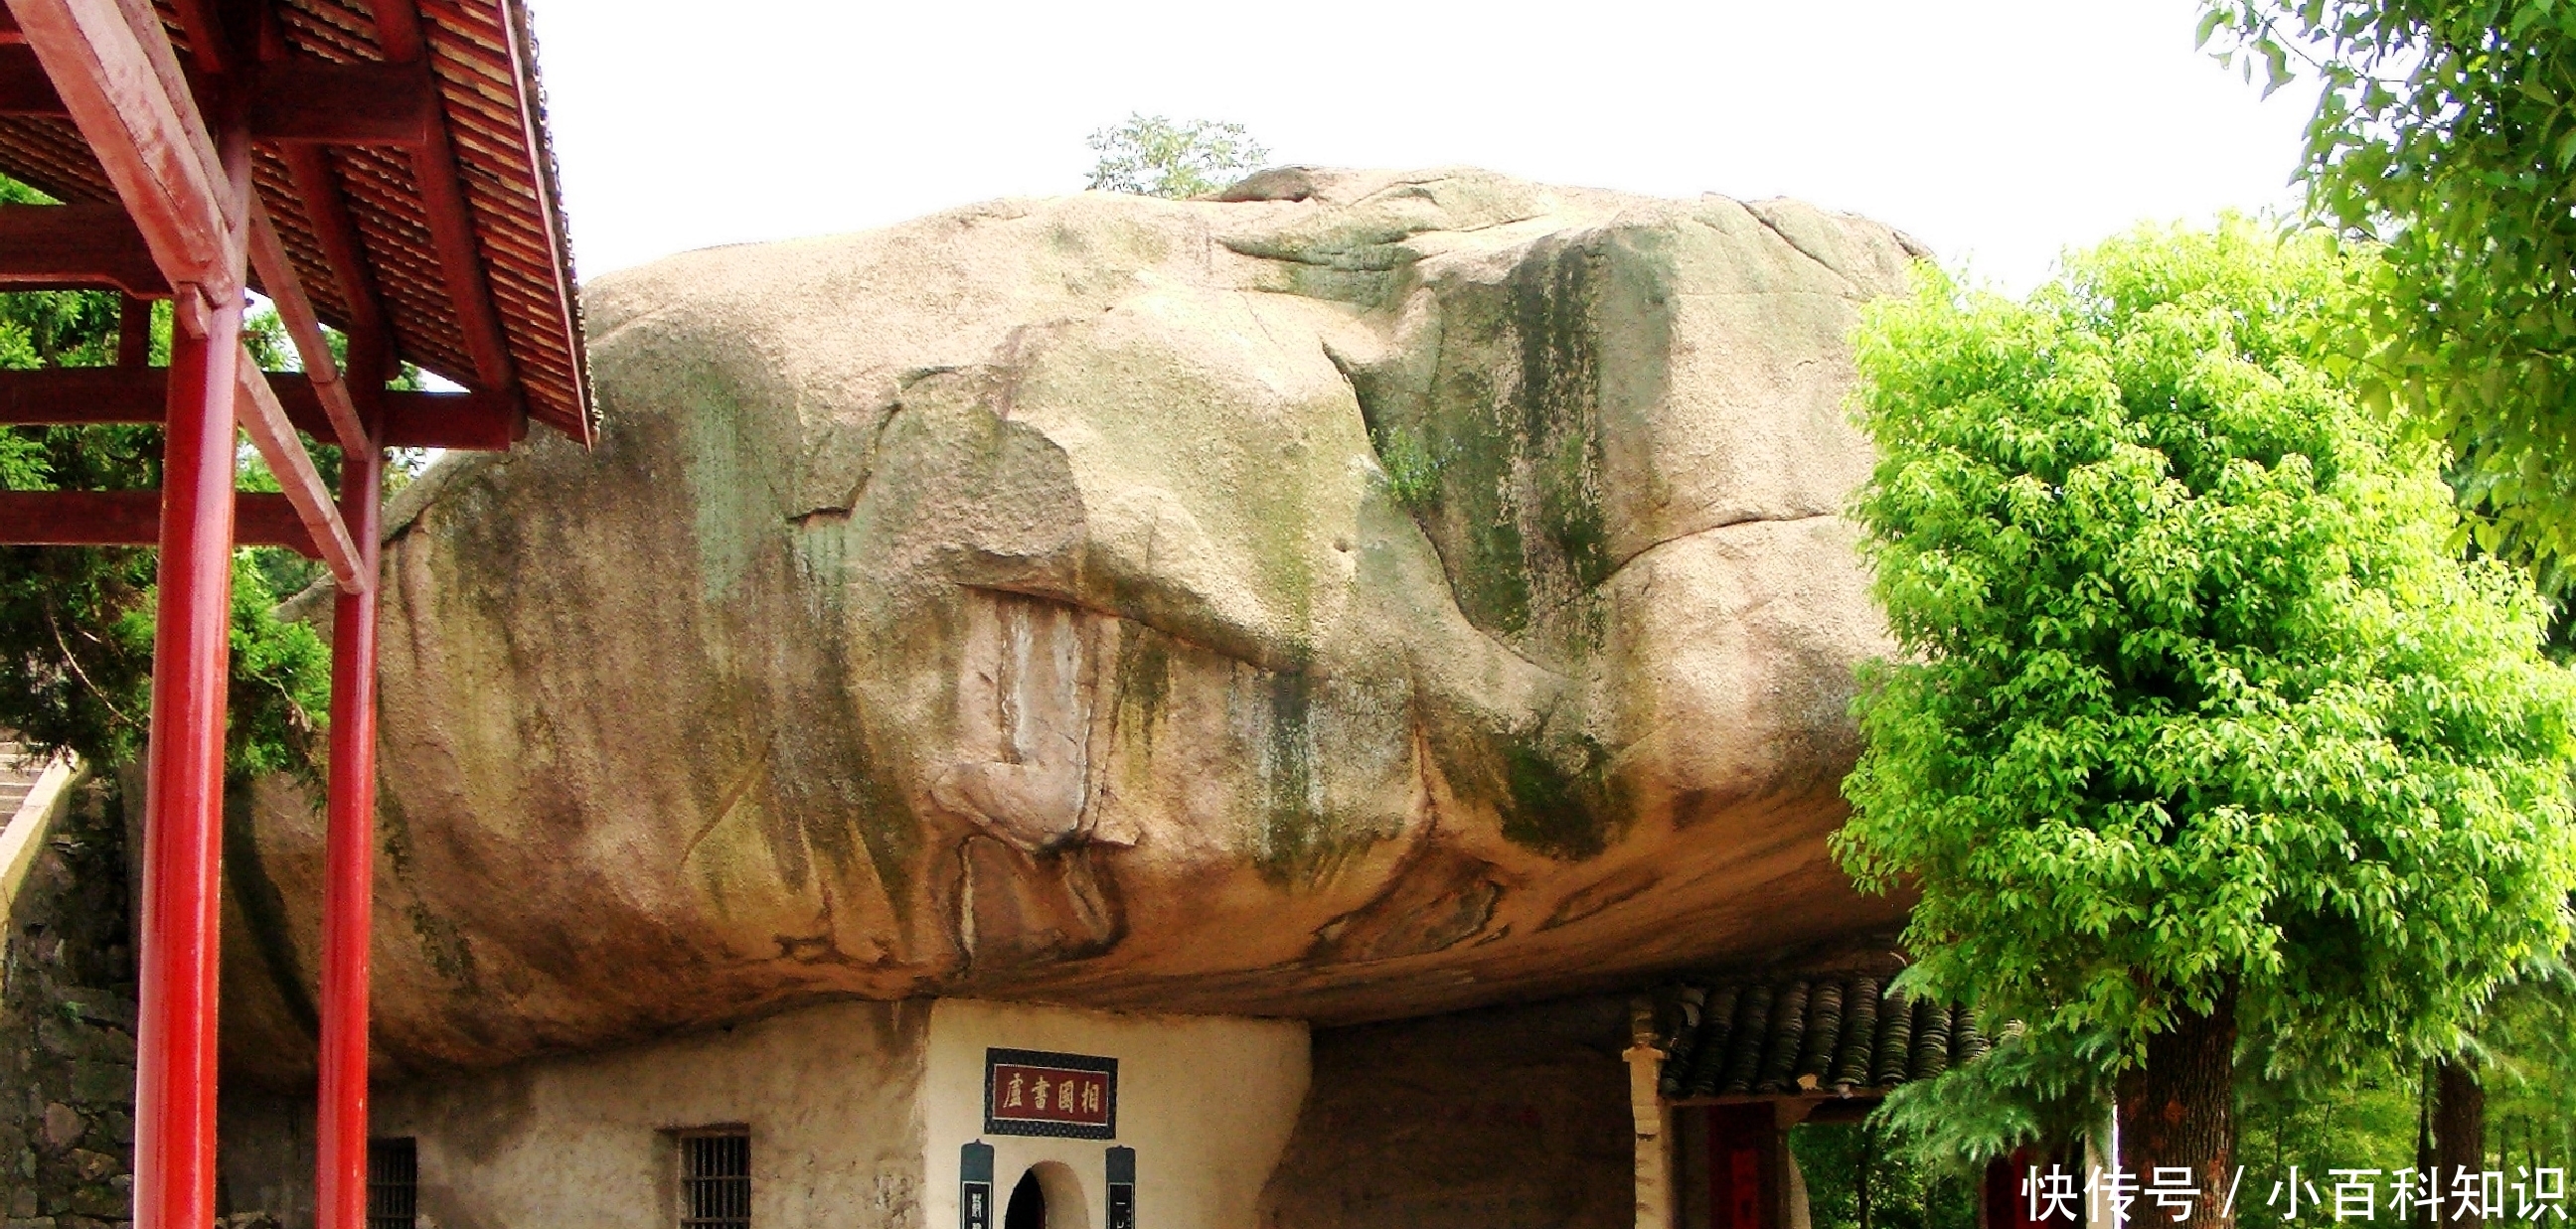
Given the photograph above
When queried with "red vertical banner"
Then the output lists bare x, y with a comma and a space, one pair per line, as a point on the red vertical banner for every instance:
1742, 1144
1744, 1188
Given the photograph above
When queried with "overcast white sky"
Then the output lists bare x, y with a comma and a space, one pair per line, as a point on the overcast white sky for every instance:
1997, 131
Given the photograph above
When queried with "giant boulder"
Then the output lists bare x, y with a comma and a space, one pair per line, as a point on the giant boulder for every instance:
1357, 595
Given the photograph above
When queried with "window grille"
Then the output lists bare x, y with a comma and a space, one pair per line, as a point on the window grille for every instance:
393, 1183
715, 1180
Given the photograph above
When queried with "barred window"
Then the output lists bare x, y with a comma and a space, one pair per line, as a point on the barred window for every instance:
715, 1180
393, 1183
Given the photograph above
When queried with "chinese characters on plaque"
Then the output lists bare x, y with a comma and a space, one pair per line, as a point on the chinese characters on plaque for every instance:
1039, 1092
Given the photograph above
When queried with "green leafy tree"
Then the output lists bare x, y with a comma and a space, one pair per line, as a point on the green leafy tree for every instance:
2445, 131
76, 622
2202, 724
1150, 155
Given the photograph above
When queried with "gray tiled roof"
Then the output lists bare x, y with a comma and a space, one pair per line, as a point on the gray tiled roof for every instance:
1829, 1033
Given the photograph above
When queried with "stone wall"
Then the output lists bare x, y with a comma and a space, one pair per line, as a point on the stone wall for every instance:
828, 1095
1505, 1118
67, 1030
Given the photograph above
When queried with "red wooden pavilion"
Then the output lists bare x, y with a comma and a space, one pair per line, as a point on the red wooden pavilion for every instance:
379, 166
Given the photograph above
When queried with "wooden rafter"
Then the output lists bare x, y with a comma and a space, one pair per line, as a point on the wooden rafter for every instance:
451, 219
326, 215
567, 316
206, 42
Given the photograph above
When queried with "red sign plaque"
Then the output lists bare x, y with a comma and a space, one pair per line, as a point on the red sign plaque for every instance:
1035, 1092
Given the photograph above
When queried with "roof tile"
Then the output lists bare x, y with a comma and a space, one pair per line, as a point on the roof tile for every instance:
1785, 1035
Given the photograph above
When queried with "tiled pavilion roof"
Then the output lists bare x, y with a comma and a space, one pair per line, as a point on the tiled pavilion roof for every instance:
480, 66
1795, 1035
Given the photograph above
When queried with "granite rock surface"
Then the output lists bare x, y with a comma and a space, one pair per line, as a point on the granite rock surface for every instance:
1358, 595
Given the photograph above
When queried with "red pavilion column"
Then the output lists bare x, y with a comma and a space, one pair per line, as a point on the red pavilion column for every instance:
348, 889
174, 1096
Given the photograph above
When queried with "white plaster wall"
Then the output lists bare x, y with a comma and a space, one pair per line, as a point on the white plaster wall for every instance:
1207, 1102
830, 1094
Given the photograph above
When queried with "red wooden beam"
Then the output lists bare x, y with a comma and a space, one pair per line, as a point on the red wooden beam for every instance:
121, 84
264, 421
321, 371
398, 32
53, 247
464, 422
302, 99
133, 518
64, 396
460, 262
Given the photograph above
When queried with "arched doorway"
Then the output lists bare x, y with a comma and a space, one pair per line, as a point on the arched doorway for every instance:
1047, 1196
1027, 1208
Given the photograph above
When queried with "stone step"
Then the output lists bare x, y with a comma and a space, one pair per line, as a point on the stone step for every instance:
19, 768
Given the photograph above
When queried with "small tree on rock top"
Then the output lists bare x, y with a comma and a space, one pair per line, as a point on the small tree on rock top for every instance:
1150, 155
2203, 731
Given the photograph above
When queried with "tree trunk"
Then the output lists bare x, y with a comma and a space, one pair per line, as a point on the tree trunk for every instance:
2179, 1112
1868, 1161
2459, 1132
2424, 1162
